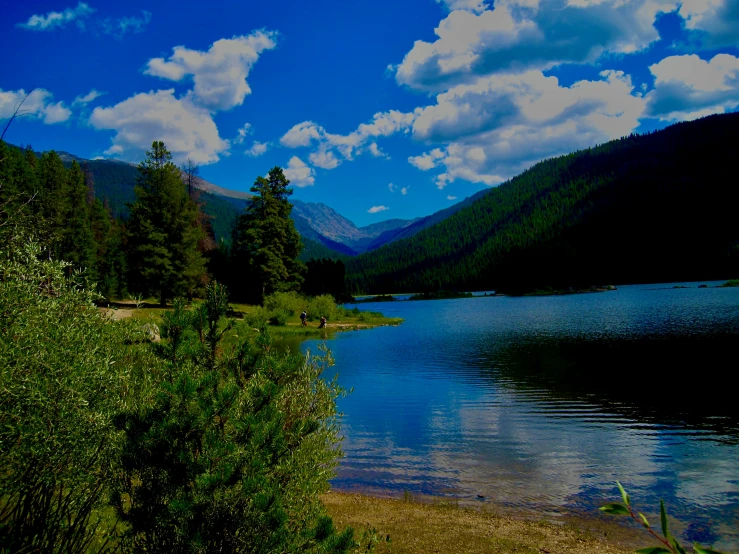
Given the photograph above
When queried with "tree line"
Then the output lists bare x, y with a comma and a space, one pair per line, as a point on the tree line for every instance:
163, 244
645, 208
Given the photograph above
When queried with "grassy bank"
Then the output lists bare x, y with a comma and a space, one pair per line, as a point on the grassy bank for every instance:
344, 320
416, 527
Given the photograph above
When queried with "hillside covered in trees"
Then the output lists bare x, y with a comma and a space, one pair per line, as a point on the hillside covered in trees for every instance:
645, 208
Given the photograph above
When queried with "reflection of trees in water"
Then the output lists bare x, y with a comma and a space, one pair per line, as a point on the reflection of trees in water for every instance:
683, 381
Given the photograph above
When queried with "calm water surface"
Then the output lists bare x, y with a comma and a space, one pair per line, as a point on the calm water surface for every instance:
542, 403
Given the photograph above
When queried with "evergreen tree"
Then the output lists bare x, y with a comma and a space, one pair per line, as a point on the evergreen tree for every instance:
266, 244
77, 240
163, 231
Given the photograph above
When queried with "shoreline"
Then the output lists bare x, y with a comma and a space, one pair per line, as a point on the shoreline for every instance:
432, 524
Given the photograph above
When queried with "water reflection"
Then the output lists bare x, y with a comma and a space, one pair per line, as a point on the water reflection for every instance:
542, 403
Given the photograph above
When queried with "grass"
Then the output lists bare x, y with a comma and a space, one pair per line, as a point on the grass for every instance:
414, 526
349, 320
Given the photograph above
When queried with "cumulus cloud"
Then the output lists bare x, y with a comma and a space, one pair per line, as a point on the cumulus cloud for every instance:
687, 87
38, 105
332, 148
502, 124
450, 197
257, 149
716, 20
219, 74
87, 98
404, 190
53, 20
376, 209
324, 159
520, 35
426, 161
188, 130
241, 134
391, 187
299, 173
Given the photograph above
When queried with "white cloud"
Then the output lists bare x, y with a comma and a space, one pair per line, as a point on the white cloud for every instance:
376, 209
187, 130
391, 187
330, 145
500, 125
241, 134
299, 173
404, 190
302, 134
131, 24
520, 35
219, 75
474, 6
52, 20
375, 151
717, 20
87, 98
426, 161
257, 149
450, 197
38, 105
687, 87
324, 159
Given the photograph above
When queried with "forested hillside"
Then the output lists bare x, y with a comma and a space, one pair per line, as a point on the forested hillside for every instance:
645, 208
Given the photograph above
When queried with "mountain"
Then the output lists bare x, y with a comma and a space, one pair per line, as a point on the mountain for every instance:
337, 230
331, 234
646, 208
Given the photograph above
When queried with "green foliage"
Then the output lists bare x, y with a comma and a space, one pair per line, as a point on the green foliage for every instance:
291, 302
322, 306
64, 371
561, 223
265, 243
325, 276
279, 317
257, 317
164, 231
669, 544
229, 453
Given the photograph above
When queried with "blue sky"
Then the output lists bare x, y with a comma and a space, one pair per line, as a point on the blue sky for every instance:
379, 109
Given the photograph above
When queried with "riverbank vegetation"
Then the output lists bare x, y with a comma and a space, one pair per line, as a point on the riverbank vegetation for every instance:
192, 436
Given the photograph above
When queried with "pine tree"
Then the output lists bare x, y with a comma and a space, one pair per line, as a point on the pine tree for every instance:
266, 244
163, 231
77, 240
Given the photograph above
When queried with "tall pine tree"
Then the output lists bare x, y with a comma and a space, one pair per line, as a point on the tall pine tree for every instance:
163, 231
265, 243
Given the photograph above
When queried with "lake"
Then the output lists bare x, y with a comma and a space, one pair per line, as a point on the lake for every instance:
539, 404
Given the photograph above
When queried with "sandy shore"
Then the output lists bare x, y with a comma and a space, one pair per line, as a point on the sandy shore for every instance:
421, 526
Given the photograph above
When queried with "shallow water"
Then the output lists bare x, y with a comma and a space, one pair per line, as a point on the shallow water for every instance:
542, 403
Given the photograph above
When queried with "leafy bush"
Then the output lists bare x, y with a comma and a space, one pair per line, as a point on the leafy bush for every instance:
279, 317
291, 302
231, 452
64, 371
257, 316
323, 305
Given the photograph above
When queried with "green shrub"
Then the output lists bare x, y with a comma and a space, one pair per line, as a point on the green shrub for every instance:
65, 370
323, 305
231, 456
290, 302
279, 317
257, 316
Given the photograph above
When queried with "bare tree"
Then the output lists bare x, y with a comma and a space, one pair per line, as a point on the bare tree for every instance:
17, 112
191, 171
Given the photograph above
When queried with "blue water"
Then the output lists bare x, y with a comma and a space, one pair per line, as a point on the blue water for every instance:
539, 404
